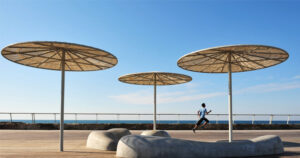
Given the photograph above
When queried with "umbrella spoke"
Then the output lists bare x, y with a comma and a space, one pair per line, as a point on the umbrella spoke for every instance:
160, 79
62, 59
95, 55
250, 60
235, 59
46, 60
95, 58
24, 52
74, 60
33, 56
201, 57
265, 58
89, 62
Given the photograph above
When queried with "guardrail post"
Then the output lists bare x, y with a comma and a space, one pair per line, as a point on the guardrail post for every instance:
10, 115
233, 119
96, 118
118, 118
253, 119
139, 118
288, 120
271, 119
32, 117
217, 119
54, 118
75, 117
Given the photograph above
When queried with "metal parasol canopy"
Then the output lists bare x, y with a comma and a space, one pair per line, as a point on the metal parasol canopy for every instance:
155, 78
235, 58
59, 56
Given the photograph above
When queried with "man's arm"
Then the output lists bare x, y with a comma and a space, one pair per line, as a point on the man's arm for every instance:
208, 112
198, 112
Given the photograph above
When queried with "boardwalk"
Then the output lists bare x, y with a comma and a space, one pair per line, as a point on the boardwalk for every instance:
44, 143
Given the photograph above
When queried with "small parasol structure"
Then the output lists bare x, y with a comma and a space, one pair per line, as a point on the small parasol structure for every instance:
59, 56
155, 78
229, 59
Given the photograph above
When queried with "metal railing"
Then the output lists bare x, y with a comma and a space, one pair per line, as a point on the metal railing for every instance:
180, 117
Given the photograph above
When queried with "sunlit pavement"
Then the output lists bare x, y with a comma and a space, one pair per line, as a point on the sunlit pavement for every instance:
45, 143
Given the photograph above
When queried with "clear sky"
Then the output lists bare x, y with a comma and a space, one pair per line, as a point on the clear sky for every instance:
151, 36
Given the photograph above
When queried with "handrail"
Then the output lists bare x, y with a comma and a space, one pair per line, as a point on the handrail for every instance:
82, 113
33, 115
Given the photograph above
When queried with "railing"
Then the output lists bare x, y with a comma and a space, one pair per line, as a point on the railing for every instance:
179, 117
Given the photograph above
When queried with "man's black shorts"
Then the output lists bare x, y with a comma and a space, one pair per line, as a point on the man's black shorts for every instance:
200, 121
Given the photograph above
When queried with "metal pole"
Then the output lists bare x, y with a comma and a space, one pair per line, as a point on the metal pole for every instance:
271, 119
288, 120
154, 115
62, 101
96, 118
230, 99
32, 118
10, 115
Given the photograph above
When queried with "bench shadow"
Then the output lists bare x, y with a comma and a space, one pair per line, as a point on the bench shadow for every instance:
285, 144
290, 144
91, 152
285, 154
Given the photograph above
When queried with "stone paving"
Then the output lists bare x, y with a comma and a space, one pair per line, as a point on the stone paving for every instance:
45, 143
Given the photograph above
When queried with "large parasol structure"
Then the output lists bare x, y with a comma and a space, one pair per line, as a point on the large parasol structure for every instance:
235, 58
155, 78
59, 56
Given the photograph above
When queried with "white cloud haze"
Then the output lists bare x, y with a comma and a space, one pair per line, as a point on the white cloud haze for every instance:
146, 97
271, 87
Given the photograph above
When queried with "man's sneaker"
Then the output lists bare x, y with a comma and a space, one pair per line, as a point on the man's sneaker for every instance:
193, 130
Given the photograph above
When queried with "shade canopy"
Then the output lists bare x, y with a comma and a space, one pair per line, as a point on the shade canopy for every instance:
59, 56
48, 55
149, 78
241, 57
228, 59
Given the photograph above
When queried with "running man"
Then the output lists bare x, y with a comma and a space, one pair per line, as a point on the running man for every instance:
201, 114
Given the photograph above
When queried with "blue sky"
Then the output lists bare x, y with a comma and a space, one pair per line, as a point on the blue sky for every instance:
151, 36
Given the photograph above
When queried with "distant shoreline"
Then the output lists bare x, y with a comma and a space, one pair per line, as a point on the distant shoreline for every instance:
141, 126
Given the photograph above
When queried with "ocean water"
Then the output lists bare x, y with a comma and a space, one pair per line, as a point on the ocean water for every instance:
158, 121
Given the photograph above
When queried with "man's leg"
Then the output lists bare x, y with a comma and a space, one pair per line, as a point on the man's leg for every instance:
206, 122
197, 124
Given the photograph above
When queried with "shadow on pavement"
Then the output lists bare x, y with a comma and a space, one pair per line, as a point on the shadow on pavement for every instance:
290, 144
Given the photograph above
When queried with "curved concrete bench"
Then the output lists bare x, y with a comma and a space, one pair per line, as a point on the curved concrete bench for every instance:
159, 133
106, 140
135, 146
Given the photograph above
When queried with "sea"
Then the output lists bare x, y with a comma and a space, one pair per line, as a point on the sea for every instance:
158, 121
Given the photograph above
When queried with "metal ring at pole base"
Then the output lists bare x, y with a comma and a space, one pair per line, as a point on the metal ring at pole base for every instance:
62, 102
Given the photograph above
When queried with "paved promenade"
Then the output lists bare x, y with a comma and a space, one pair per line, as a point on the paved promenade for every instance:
45, 144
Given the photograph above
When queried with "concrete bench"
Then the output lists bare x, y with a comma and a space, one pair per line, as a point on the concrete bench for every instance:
106, 140
136, 146
159, 133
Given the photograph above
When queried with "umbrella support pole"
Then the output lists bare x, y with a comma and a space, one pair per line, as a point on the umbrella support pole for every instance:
62, 102
154, 114
229, 100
